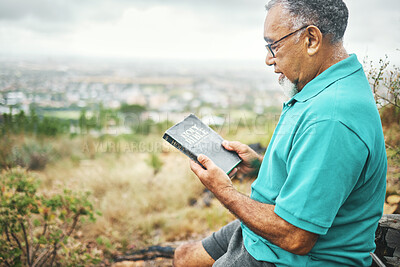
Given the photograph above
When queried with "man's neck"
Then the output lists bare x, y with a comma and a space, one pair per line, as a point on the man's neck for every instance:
327, 57
333, 54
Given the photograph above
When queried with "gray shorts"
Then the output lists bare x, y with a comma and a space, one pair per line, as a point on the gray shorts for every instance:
227, 249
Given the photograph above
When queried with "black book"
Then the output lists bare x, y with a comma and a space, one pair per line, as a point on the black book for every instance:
192, 137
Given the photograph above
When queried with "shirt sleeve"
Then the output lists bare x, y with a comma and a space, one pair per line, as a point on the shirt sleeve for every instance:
323, 166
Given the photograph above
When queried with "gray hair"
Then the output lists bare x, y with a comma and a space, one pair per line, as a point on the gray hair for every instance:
330, 16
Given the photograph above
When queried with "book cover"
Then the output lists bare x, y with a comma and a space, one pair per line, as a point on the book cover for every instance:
192, 137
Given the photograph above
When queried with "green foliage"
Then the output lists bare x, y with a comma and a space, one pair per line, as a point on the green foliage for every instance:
144, 127
86, 123
385, 83
100, 119
149, 126
162, 126
31, 154
52, 126
106, 117
20, 123
136, 109
36, 229
155, 162
6, 146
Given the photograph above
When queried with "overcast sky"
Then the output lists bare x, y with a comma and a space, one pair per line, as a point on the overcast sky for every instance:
183, 29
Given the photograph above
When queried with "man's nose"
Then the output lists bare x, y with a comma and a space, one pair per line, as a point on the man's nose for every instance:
269, 60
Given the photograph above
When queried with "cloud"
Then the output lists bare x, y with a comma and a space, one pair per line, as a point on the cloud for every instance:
50, 15
375, 21
171, 28
45, 10
162, 32
374, 29
57, 15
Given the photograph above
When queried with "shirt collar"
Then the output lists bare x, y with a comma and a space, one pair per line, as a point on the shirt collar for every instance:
334, 73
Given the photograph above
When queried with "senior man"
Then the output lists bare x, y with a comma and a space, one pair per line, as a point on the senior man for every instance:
320, 189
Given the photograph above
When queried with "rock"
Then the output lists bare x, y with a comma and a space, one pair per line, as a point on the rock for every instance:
125, 264
387, 240
389, 208
393, 199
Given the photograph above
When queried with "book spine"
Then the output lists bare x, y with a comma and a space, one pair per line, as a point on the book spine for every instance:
185, 151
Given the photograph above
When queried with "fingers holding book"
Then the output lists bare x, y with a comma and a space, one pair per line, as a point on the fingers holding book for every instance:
251, 160
212, 177
233, 173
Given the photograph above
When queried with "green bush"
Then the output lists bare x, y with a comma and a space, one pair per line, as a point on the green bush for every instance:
155, 162
30, 154
36, 229
385, 83
33, 124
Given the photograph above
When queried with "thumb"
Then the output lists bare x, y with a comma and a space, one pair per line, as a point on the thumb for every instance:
226, 144
234, 146
205, 161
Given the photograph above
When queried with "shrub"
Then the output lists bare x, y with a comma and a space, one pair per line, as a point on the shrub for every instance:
36, 229
29, 154
155, 163
385, 83
6, 147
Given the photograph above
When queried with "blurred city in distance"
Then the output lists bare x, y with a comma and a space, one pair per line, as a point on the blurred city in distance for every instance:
218, 91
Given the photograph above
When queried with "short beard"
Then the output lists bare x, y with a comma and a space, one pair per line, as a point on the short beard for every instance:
289, 88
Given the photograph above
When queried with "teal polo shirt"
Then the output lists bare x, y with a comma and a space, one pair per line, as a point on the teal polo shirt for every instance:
325, 171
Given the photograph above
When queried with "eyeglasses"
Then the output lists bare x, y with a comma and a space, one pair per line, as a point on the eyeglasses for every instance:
269, 46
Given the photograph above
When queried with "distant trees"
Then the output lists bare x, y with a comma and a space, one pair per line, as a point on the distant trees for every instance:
136, 109
22, 123
86, 123
97, 119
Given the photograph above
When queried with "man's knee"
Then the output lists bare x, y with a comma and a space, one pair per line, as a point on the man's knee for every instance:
192, 254
181, 252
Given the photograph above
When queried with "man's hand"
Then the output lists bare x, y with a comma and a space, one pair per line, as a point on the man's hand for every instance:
212, 177
259, 217
251, 161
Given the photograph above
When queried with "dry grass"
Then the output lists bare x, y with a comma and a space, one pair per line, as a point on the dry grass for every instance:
393, 174
138, 208
391, 128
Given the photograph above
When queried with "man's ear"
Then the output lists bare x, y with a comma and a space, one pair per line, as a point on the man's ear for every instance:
313, 40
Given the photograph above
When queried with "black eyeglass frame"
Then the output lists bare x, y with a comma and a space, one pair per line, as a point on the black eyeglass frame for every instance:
269, 46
